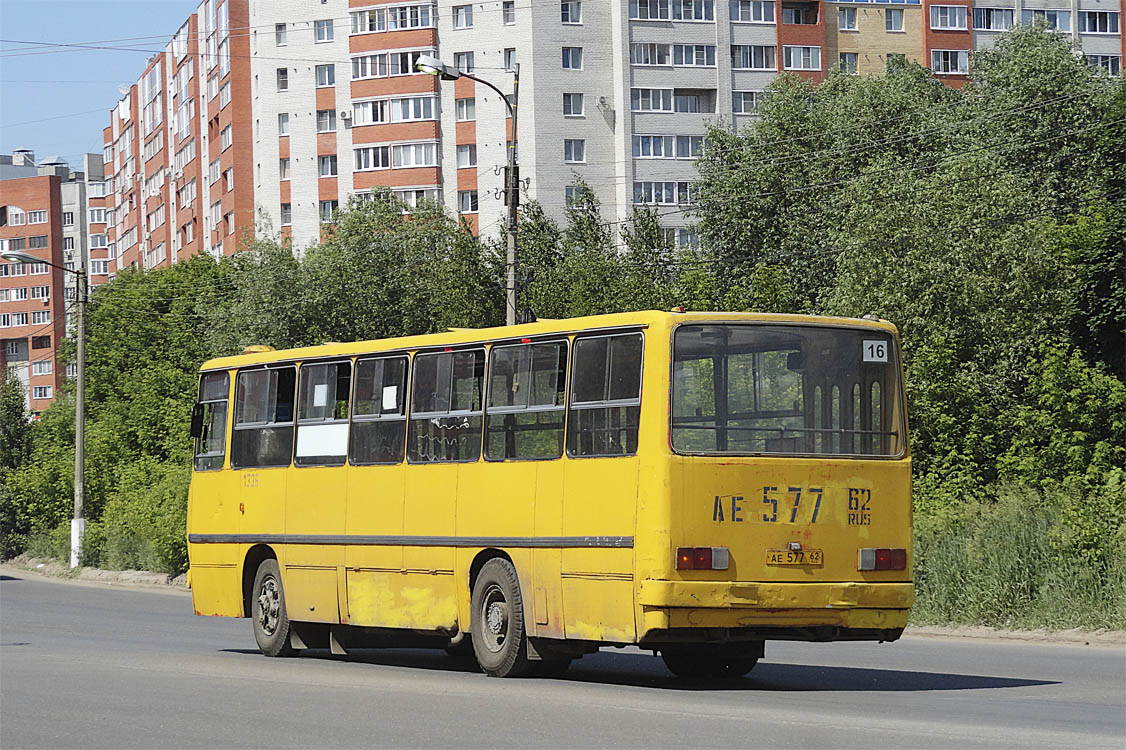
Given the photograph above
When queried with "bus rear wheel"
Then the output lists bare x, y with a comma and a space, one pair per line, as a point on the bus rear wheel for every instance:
271, 623
497, 626
710, 660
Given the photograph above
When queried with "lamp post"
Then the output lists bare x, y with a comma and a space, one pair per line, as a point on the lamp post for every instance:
435, 67
78, 523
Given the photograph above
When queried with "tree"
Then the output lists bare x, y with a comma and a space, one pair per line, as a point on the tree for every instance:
15, 425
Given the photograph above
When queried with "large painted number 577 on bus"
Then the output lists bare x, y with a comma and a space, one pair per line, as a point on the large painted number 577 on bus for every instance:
694, 483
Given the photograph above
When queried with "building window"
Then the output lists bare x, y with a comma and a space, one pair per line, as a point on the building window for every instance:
283, 79
693, 55
849, 61
327, 166
572, 58
753, 57
801, 58
286, 214
463, 16
326, 120
466, 156
466, 109
463, 61
225, 137
229, 220
373, 157
279, 35
368, 21
68, 218
467, 201
229, 180
1110, 63
651, 100
41, 367
283, 169
40, 342
893, 19
97, 241
510, 58
799, 14
68, 243
327, 209
414, 155
646, 53
508, 12
323, 30
40, 317
326, 75
41, 391
993, 19
689, 146
40, 292
1057, 20
37, 242
664, 193
846, 19
1098, 22
369, 113
752, 11
951, 62
410, 17
36, 217
225, 95
653, 146
574, 150
99, 267
572, 105
948, 17
571, 12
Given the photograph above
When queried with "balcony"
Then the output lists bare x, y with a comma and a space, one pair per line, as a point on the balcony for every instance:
799, 13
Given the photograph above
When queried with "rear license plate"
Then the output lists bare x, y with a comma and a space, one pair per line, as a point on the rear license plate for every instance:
795, 557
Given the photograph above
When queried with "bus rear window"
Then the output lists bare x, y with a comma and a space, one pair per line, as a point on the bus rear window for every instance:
774, 389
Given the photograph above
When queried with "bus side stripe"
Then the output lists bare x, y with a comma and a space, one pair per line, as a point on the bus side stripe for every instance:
416, 541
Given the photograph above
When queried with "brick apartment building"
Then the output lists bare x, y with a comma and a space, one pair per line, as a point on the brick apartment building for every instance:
271, 113
52, 212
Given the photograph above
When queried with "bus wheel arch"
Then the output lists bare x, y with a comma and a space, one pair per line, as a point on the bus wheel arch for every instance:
254, 557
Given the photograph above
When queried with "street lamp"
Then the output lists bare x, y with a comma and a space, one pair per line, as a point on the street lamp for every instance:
433, 66
78, 523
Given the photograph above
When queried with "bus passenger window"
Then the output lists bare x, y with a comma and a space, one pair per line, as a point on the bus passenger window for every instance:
446, 407
211, 445
263, 430
379, 419
322, 414
526, 401
605, 396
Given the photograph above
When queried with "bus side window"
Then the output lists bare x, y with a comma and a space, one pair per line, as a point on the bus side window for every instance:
526, 401
322, 414
263, 430
379, 416
211, 445
446, 407
605, 396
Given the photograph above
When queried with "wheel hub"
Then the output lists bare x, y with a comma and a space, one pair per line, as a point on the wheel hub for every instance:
269, 606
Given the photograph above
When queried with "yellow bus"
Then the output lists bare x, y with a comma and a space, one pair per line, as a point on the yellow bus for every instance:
693, 483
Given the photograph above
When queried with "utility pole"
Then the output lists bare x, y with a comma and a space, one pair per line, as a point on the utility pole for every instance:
512, 190
78, 523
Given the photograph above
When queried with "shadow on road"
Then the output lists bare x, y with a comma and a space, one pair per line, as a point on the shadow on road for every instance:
10, 578
641, 670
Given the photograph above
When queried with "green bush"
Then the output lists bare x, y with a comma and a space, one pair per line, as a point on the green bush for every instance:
145, 521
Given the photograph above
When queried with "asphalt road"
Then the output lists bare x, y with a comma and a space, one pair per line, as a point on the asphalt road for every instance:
95, 666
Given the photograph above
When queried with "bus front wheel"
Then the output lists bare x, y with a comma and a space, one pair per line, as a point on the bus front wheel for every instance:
271, 623
710, 660
497, 626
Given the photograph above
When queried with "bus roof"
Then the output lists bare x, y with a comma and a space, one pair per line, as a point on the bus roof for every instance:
462, 336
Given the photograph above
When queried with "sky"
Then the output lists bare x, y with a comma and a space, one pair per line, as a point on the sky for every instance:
56, 101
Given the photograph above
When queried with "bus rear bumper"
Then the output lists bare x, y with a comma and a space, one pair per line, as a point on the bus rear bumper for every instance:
801, 611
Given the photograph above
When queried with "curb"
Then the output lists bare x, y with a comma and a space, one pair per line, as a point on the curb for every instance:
1101, 638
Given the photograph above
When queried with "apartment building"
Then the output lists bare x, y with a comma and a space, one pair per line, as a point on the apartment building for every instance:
46, 210
268, 115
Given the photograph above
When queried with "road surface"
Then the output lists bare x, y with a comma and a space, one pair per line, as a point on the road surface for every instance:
96, 666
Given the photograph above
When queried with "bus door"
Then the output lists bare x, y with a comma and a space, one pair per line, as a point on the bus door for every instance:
447, 406
376, 487
600, 500
317, 492
518, 491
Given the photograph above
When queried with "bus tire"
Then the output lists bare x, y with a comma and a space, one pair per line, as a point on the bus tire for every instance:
271, 623
707, 660
497, 625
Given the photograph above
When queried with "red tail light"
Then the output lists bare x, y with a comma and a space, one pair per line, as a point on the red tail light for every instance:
702, 558
882, 558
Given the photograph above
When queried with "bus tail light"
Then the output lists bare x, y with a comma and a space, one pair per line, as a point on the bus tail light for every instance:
882, 558
702, 558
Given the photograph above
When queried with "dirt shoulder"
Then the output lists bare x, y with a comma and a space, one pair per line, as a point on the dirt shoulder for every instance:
50, 568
